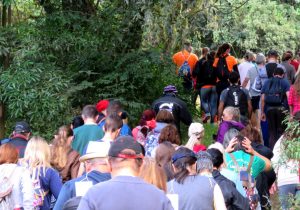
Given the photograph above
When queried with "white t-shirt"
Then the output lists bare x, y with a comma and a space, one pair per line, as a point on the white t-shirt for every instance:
243, 69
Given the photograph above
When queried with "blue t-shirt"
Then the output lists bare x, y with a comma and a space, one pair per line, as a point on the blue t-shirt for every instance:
125, 130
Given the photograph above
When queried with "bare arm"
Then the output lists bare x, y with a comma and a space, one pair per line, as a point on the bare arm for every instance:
263, 115
245, 82
220, 110
249, 109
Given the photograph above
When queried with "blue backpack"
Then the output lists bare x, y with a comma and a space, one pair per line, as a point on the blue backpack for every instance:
275, 94
260, 79
185, 69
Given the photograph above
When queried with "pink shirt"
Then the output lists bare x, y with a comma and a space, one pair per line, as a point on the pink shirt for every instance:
294, 100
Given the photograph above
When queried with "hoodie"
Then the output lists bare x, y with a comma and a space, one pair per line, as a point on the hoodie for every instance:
68, 190
225, 126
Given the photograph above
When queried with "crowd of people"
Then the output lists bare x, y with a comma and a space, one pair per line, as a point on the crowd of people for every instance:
100, 162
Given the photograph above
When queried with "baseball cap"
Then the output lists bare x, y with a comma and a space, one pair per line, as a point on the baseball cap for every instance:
102, 105
22, 127
126, 143
95, 149
170, 89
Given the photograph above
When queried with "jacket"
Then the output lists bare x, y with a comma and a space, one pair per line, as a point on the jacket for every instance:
20, 142
70, 171
225, 126
233, 199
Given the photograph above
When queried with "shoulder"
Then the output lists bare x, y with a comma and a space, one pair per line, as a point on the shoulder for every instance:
230, 58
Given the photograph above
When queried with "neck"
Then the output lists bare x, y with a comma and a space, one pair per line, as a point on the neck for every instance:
108, 136
99, 168
89, 121
124, 172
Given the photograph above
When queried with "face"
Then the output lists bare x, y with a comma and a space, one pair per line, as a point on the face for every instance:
226, 116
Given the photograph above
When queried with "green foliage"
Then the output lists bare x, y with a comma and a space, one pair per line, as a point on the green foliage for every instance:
292, 142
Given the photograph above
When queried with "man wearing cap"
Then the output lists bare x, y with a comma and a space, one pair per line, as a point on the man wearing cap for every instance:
125, 190
96, 170
173, 104
19, 137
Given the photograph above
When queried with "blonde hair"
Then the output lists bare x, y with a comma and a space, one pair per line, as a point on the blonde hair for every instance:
37, 156
195, 129
153, 174
60, 148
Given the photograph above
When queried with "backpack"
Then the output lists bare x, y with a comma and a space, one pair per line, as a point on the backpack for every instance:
6, 187
248, 182
259, 80
39, 193
185, 69
274, 95
142, 134
5, 141
236, 97
222, 70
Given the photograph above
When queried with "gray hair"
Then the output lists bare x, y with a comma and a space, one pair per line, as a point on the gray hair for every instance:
204, 162
230, 134
235, 112
260, 59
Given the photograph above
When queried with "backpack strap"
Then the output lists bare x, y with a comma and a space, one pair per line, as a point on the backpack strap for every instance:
250, 164
234, 161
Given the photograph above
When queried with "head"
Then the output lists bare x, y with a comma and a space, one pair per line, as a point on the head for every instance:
89, 113
164, 116
125, 156
8, 154
287, 56
216, 157
231, 134
249, 56
163, 157
252, 133
37, 153
204, 51
260, 59
273, 55
278, 72
95, 157
170, 90
169, 133
22, 128
218, 146
204, 163
114, 106
234, 77
187, 46
77, 122
231, 114
211, 55
196, 134
153, 174
147, 115
184, 163
101, 106
113, 125
223, 49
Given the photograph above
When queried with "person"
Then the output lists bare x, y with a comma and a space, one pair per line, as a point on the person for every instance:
224, 64
170, 133
153, 174
77, 121
290, 69
125, 158
185, 60
112, 127
273, 104
256, 76
294, 98
146, 124
43, 176
115, 106
286, 169
230, 120
87, 132
196, 135
233, 199
96, 171
101, 107
21, 195
63, 158
163, 157
273, 63
163, 118
294, 61
19, 137
186, 184
235, 96
206, 83
174, 105
245, 66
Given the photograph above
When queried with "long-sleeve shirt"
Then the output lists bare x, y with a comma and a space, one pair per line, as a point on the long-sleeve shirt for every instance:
294, 99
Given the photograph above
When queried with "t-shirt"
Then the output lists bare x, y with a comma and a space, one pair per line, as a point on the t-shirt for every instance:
230, 60
294, 99
243, 70
84, 134
180, 57
252, 74
243, 160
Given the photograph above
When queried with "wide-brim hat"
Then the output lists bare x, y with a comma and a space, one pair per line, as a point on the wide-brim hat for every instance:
95, 149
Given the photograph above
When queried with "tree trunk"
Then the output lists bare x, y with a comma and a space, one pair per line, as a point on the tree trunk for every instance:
9, 14
4, 15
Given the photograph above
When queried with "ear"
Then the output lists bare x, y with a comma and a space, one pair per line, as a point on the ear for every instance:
109, 166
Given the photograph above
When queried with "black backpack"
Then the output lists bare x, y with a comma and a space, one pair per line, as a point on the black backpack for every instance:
275, 94
222, 70
236, 97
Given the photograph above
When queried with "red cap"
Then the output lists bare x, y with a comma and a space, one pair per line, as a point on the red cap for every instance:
102, 105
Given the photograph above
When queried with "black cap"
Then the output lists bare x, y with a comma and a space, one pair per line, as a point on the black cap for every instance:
22, 127
126, 142
273, 53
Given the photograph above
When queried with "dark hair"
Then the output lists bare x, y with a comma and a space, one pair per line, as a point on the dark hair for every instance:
278, 71
287, 56
169, 133
211, 55
165, 116
222, 49
234, 77
252, 133
147, 115
205, 51
216, 157
273, 53
113, 122
182, 163
89, 111
77, 122
114, 106
8, 154
163, 156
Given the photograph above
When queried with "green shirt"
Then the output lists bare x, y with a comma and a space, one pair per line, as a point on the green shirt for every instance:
84, 134
243, 160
